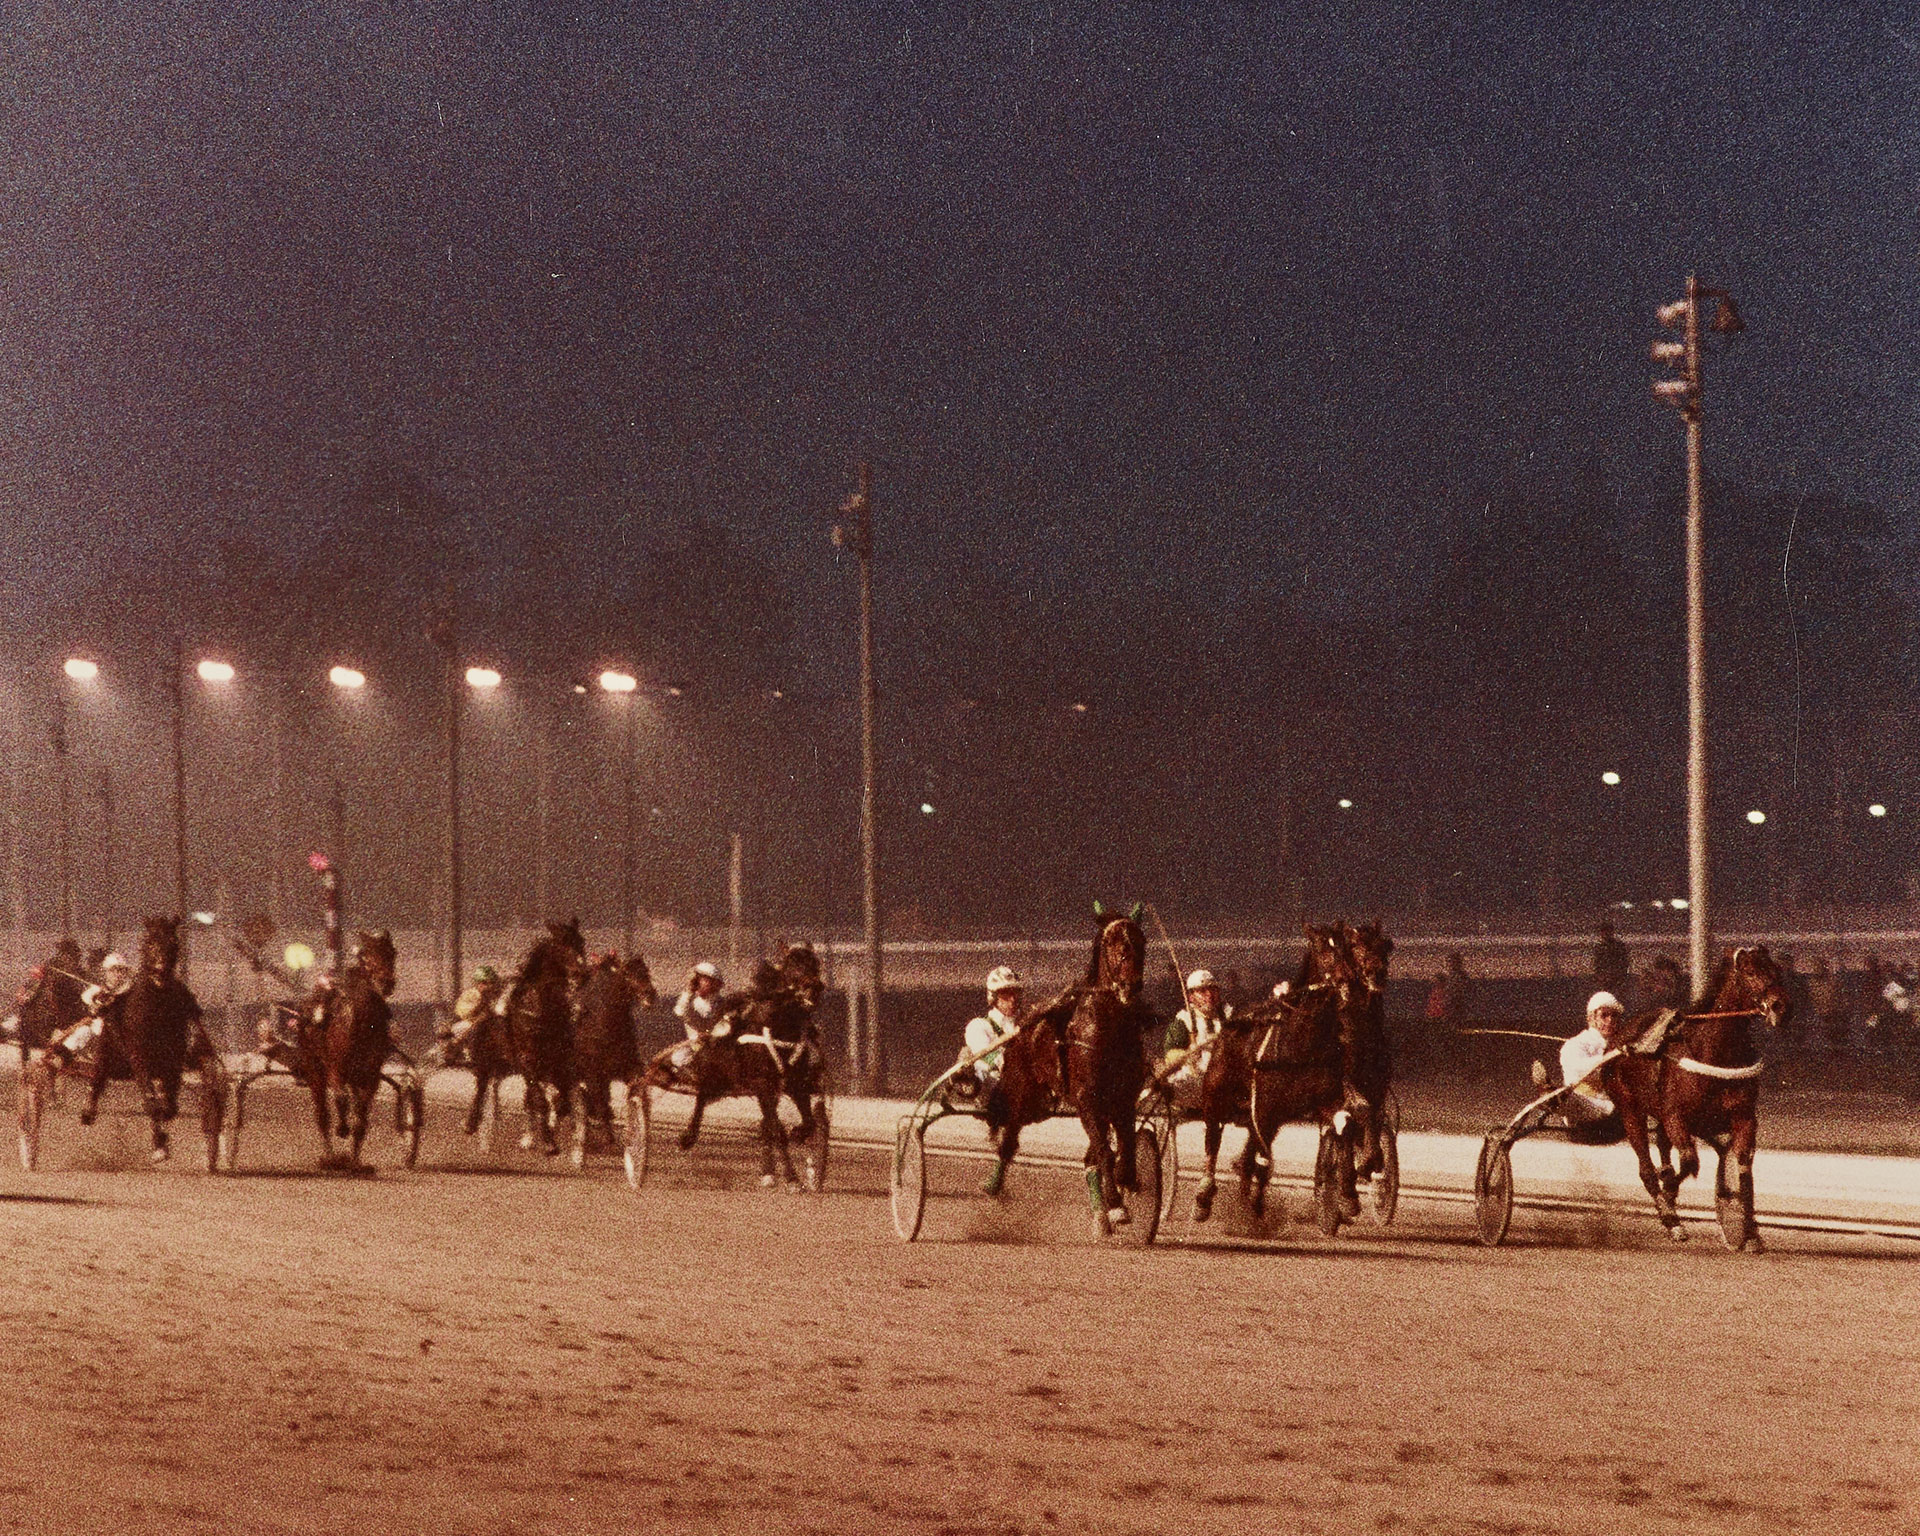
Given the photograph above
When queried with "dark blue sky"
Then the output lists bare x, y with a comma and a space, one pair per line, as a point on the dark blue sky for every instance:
1183, 305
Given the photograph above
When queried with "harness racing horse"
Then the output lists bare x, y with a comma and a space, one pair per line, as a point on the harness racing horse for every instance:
149, 1035
1278, 1061
1366, 1054
604, 1048
1705, 1083
1084, 1050
531, 1035
763, 1045
51, 1003
345, 1034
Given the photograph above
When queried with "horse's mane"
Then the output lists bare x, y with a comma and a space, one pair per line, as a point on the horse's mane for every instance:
1704, 1000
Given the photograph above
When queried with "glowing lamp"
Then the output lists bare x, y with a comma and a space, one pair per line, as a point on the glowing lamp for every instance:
212, 671
482, 677
618, 682
80, 669
346, 677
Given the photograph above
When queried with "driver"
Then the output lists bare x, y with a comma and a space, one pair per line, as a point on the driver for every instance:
1590, 1114
991, 1030
1190, 1037
116, 977
475, 1004
697, 1008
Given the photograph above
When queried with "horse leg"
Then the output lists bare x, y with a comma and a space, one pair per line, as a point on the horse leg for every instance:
1635, 1123
1740, 1148
1203, 1196
1348, 1178
692, 1133
360, 1111
322, 1119
96, 1082
1663, 1144
582, 1100
481, 1080
1007, 1143
807, 1132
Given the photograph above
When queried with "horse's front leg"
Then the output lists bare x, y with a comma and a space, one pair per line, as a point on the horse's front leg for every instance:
1203, 1196
773, 1141
1006, 1146
482, 1080
692, 1133
359, 1112
1739, 1176
1635, 1124
582, 1097
322, 1117
811, 1134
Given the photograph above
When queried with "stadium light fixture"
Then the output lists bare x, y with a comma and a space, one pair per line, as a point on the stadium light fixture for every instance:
80, 669
1610, 779
1756, 818
482, 677
347, 677
1876, 810
212, 671
618, 682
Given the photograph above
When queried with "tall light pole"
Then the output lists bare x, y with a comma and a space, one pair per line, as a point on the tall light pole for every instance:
177, 690
1685, 394
858, 531
444, 632
79, 670
622, 686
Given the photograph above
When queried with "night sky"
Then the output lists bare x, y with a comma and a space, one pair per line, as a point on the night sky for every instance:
1197, 350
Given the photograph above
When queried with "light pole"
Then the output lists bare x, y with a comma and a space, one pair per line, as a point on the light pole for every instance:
106, 857
1684, 393
622, 686
79, 670
858, 531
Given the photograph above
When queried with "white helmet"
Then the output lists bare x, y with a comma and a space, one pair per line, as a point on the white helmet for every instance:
707, 969
115, 962
1002, 978
1601, 1000
1201, 978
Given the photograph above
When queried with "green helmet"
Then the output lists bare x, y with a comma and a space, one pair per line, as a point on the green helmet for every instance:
485, 975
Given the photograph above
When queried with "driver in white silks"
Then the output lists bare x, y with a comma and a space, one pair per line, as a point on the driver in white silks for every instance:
1188, 1044
116, 977
696, 1008
1591, 1116
991, 1030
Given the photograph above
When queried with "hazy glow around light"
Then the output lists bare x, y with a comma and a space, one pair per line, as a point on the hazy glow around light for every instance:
1757, 818
482, 677
618, 682
1876, 809
1610, 779
212, 671
346, 677
80, 669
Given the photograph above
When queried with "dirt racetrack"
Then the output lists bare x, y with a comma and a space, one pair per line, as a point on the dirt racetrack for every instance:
468, 1349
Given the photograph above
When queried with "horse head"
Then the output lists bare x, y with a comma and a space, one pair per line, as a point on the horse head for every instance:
640, 978
376, 955
1329, 962
159, 949
800, 973
1120, 956
1754, 979
1370, 950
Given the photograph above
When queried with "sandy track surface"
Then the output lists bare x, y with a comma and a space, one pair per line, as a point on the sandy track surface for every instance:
466, 1348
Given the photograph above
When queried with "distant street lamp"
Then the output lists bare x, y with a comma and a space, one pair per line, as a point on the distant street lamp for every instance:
483, 678
1756, 818
1610, 779
1876, 810
211, 671
1684, 393
80, 669
347, 678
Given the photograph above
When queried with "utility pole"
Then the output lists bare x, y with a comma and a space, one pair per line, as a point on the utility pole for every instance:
858, 531
629, 749
1685, 394
444, 633
107, 851
62, 752
178, 691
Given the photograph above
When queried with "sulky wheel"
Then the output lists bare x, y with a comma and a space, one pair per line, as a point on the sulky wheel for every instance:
820, 1144
1326, 1184
409, 1120
34, 1090
1384, 1195
639, 1114
1493, 1190
907, 1188
1142, 1230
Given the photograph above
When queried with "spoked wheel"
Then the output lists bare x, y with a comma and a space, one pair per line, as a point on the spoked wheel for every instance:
1493, 1190
907, 1188
1385, 1188
1326, 1185
34, 1091
409, 1121
819, 1145
639, 1132
1142, 1230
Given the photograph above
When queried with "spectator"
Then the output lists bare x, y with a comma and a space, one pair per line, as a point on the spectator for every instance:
1611, 962
1437, 1000
1458, 991
1872, 1003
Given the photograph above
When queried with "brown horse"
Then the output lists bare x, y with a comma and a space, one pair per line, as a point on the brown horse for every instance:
150, 1034
604, 1050
1365, 1051
345, 1035
1705, 1084
531, 1036
763, 1045
50, 1004
1279, 1061
1084, 1050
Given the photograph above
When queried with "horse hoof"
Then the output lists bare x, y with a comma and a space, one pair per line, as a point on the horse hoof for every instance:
578, 1157
1203, 1203
1119, 1216
158, 1156
87, 1117
1753, 1244
526, 1142
767, 1181
1677, 1232
684, 1141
